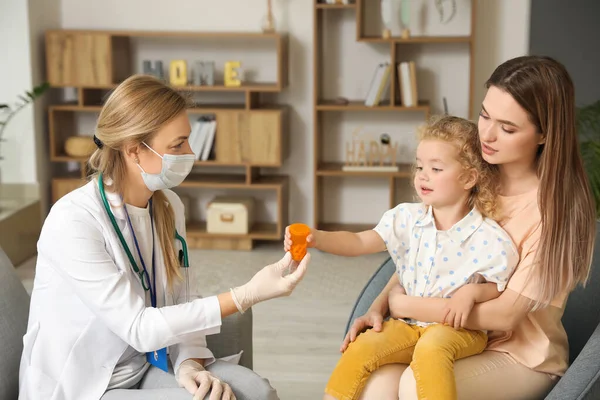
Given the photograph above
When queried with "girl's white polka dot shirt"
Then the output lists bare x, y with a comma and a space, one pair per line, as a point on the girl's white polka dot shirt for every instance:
434, 263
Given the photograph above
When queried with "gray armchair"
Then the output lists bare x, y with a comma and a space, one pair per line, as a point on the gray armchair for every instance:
581, 321
236, 332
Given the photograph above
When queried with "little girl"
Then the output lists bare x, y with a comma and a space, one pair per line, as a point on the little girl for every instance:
444, 243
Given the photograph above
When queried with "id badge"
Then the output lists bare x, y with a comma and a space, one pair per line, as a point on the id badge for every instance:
158, 358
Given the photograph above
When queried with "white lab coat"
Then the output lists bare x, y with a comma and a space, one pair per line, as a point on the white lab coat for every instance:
88, 305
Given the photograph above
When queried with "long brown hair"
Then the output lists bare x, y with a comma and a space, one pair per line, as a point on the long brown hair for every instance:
543, 88
464, 136
133, 113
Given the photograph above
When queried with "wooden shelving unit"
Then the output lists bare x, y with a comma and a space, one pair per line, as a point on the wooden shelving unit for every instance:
323, 107
250, 135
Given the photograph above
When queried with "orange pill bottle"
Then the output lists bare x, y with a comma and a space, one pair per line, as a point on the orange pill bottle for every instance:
298, 234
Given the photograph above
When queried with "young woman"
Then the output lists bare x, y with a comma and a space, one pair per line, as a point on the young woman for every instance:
527, 129
110, 297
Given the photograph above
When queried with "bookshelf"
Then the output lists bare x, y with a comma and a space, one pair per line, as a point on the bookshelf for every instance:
250, 134
330, 51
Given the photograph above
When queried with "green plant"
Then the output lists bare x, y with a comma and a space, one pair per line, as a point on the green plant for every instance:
7, 112
588, 128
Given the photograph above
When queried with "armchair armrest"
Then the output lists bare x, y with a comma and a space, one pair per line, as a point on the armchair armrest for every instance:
236, 335
582, 380
371, 290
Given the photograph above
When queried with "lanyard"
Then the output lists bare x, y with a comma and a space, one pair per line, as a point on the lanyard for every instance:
152, 287
143, 275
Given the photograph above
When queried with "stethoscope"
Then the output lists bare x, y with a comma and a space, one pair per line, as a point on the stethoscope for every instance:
143, 275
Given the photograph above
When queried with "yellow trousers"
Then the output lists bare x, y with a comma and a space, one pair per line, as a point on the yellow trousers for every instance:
430, 351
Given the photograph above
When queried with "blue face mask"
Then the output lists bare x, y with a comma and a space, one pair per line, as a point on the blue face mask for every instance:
175, 168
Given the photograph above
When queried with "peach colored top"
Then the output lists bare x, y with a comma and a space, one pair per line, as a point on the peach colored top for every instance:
540, 341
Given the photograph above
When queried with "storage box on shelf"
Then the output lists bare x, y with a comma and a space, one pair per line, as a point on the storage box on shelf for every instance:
233, 215
249, 134
327, 20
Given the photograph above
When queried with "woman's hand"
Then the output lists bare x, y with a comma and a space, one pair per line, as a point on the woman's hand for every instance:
195, 379
270, 282
396, 301
311, 240
372, 319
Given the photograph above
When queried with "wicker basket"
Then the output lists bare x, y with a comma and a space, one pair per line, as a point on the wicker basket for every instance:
80, 146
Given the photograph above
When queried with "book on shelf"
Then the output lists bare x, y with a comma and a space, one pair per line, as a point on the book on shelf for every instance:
380, 84
202, 137
407, 82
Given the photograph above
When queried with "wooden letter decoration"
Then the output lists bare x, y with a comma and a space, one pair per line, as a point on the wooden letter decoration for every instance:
178, 73
204, 73
350, 152
156, 70
232, 73
366, 153
388, 152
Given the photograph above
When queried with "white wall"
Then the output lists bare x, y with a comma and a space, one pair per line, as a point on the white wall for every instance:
22, 26
18, 150
43, 15
502, 33
496, 42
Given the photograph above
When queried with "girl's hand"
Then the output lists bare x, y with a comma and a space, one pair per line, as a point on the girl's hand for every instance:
287, 241
372, 319
459, 307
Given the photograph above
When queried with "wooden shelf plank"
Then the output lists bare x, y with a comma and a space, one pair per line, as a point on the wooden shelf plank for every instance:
334, 226
323, 6
198, 109
219, 87
258, 231
233, 181
214, 163
75, 108
67, 158
203, 108
335, 169
68, 176
417, 39
176, 34
358, 105
208, 163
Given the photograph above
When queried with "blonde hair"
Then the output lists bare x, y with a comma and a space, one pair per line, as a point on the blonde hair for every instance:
463, 134
543, 88
133, 113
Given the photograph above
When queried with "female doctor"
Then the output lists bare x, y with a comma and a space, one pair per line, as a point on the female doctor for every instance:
109, 307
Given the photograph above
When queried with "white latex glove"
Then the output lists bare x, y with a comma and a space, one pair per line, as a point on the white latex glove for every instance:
270, 282
198, 381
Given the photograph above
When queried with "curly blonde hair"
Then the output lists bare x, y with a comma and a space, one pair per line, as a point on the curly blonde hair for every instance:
464, 135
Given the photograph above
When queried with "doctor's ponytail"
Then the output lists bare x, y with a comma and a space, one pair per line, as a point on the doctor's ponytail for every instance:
137, 109
164, 220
